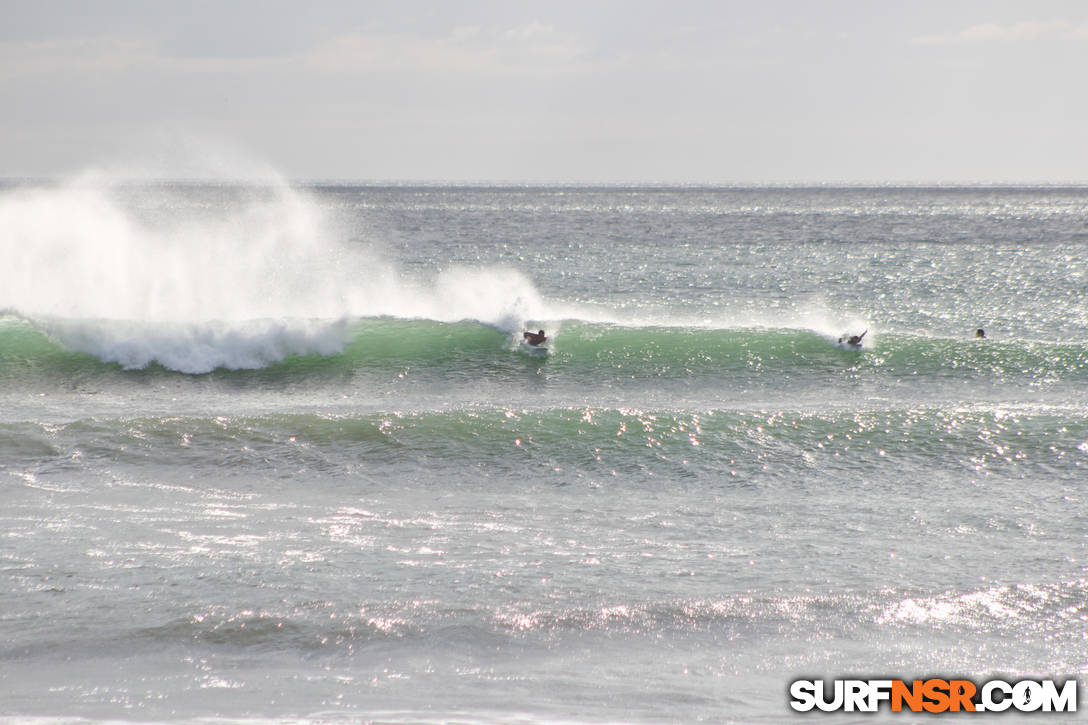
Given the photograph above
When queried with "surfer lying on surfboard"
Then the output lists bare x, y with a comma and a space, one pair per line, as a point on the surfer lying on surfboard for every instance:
853, 339
535, 338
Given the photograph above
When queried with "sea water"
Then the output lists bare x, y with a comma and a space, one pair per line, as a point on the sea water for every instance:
276, 453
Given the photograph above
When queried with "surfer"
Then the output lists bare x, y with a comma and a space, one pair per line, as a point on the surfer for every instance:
980, 332
853, 339
535, 338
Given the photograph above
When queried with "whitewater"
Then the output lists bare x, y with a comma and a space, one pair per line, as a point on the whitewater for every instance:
276, 452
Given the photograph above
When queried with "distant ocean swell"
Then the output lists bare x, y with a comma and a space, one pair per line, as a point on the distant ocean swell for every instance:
384, 629
296, 347
720, 445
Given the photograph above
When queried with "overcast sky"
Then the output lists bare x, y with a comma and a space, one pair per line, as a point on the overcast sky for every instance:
757, 91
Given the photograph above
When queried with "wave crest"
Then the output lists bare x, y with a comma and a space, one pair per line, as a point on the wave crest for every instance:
201, 278
199, 348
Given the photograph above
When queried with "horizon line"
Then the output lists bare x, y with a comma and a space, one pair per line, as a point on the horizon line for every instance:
528, 183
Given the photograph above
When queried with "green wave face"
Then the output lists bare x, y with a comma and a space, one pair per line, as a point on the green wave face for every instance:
714, 446
577, 349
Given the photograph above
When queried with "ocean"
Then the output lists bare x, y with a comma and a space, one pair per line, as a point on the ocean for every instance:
275, 452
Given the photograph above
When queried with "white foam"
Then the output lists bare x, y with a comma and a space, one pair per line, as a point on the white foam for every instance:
198, 348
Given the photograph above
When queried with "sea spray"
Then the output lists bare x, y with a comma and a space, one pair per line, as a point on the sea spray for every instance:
140, 274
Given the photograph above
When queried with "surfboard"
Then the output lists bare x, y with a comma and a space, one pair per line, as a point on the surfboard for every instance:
533, 349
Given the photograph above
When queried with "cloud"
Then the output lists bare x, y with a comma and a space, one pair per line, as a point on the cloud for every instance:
102, 57
528, 49
94, 54
1026, 31
531, 48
